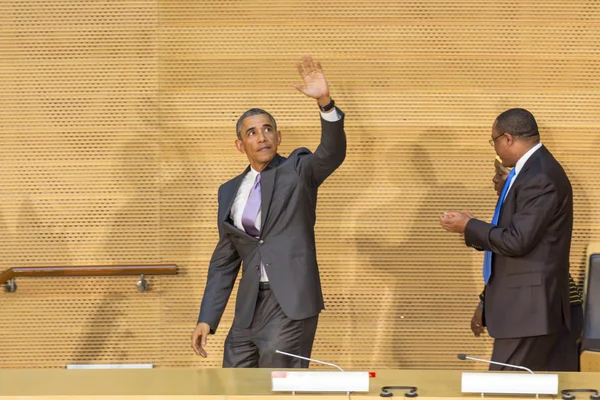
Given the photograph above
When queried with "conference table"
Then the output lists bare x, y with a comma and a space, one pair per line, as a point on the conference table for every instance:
231, 384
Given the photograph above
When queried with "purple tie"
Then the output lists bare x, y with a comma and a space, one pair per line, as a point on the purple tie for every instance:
252, 208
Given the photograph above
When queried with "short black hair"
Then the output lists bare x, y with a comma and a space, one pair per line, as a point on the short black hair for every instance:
249, 113
517, 122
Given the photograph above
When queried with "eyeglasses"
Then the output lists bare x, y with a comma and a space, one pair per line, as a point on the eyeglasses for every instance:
493, 140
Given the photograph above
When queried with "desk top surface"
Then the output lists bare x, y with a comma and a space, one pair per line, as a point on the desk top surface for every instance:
242, 383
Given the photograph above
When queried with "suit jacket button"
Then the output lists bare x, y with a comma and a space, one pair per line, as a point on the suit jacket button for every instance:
258, 267
267, 265
261, 241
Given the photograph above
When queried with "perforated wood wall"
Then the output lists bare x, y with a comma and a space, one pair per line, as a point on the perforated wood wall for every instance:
117, 127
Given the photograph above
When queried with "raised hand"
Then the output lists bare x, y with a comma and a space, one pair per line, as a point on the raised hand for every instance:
315, 84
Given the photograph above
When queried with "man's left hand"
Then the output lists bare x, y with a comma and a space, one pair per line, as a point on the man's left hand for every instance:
477, 322
455, 221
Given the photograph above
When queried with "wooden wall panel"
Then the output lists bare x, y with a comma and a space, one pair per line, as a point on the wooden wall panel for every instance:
117, 127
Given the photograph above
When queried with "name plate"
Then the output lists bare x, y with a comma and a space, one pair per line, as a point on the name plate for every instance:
317, 381
509, 383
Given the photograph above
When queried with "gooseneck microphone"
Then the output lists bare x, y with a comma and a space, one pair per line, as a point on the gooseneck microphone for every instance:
309, 359
463, 357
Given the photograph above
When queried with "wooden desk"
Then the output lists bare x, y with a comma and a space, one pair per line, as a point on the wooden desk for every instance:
447, 384
224, 384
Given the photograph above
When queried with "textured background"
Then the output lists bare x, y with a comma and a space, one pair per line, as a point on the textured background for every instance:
117, 127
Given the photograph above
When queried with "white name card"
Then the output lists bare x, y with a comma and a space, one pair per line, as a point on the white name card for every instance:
317, 381
509, 383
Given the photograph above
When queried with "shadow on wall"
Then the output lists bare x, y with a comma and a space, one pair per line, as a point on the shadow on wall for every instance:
39, 239
404, 239
103, 339
132, 231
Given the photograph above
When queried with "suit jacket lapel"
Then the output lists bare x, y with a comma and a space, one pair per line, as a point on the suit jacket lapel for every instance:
267, 184
541, 152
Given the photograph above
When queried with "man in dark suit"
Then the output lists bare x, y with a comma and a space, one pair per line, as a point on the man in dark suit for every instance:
526, 265
266, 224
564, 355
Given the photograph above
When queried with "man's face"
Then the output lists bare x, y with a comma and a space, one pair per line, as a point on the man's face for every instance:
259, 140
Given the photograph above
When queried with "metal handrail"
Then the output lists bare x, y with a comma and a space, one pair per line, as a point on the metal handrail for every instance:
7, 278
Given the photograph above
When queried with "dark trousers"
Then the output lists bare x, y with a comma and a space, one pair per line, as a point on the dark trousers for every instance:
534, 353
271, 330
564, 356
531, 352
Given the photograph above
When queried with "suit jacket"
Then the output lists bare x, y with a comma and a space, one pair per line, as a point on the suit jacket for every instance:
528, 292
286, 245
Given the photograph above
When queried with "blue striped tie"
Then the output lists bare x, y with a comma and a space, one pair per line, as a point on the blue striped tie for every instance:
487, 257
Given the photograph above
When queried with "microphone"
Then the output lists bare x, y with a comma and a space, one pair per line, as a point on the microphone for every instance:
463, 357
309, 359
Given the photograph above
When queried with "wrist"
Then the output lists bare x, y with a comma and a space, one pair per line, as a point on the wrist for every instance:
327, 108
323, 101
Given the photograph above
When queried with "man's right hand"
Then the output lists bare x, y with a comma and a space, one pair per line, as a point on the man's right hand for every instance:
477, 322
199, 338
315, 84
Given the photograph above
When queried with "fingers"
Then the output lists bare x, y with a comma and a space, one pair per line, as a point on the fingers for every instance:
300, 68
476, 322
302, 73
468, 214
447, 226
309, 64
306, 66
319, 67
198, 341
203, 337
448, 215
195, 345
203, 343
454, 221
446, 220
300, 88
476, 329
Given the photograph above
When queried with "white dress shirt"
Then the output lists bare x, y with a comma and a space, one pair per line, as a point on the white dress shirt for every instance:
241, 198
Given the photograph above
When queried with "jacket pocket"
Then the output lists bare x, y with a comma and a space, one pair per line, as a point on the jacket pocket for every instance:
524, 279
